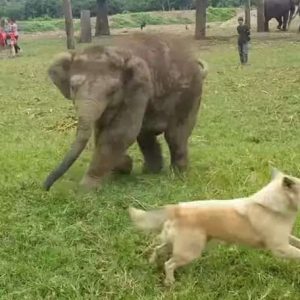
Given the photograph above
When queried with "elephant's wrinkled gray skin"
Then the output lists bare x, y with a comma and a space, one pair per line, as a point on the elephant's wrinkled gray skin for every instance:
145, 86
281, 10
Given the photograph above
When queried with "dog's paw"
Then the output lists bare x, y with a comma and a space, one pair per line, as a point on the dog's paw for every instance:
169, 281
152, 259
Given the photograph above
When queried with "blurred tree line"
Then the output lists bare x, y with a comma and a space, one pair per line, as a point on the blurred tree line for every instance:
28, 9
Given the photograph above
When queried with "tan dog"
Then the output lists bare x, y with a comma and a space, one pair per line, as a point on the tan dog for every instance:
263, 220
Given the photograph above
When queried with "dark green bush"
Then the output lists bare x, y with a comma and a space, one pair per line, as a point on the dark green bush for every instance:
31, 9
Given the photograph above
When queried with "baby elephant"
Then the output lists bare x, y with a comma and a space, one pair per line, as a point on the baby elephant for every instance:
144, 86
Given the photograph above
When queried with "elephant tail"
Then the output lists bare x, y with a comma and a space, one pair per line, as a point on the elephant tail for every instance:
204, 67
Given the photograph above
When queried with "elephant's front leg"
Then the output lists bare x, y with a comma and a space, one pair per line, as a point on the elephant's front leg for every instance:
106, 157
114, 139
124, 166
279, 20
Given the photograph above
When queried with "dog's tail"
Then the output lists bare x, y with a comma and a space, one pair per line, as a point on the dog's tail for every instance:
149, 220
204, 67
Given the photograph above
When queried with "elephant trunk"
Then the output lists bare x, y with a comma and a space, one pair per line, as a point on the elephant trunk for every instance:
84, 132
204, 67
294, 12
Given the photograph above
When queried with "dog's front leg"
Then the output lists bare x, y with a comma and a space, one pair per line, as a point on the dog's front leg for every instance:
294, 241
287, 251
156, 251
170, 267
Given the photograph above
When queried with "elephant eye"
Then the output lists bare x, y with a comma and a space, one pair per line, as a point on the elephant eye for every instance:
113, 90
77, 80
73, 88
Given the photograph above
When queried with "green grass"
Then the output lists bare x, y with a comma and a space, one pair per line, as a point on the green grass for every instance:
136, 19
37, 25
67, 244
220, 14
131, 20
168, 18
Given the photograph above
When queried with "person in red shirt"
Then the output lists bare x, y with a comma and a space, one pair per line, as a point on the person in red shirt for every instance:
14, 34
2, 38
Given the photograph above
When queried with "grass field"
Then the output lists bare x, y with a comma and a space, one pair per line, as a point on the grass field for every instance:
67, 244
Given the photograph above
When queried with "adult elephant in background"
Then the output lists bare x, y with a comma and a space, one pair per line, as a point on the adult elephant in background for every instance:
281, 10
144, 86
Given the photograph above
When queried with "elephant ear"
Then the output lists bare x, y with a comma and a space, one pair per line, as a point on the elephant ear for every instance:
137, 74
59, 72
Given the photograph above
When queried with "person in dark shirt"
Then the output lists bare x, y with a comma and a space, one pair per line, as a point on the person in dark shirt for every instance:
243, 40
143, 25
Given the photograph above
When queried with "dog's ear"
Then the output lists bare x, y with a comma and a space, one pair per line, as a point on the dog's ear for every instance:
275, 173
288, 182
290, 186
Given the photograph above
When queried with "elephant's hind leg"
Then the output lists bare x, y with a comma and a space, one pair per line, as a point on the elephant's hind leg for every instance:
177, 135
151, 150
177, 139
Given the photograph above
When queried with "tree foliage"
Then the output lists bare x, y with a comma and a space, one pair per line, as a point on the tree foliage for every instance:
27, 9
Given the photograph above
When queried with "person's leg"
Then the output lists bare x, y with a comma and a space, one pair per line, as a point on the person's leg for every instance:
12, 50
16, 45
245, 51
240, 49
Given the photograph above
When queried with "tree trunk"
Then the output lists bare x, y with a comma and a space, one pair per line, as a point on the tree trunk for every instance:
247, 13
85, 27
200, 27
2, 23
169, 6
69, 24
260, 16
102, 27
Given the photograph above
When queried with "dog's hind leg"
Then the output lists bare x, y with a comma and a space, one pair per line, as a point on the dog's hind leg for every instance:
294, 241
187, 246
287, 251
